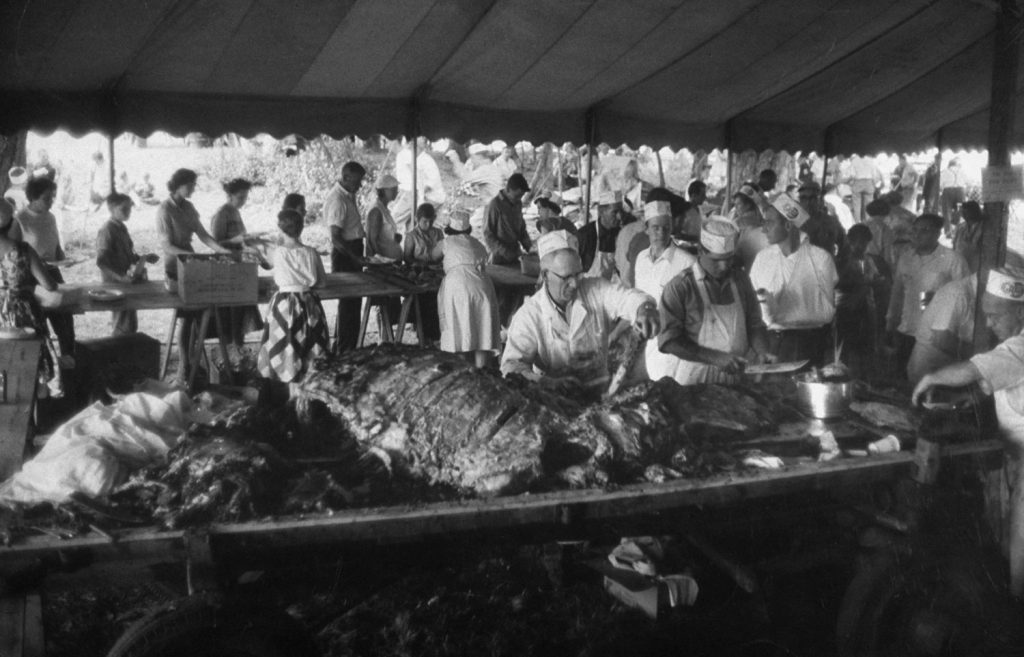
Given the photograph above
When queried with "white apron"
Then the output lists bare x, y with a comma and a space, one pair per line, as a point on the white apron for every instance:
1010, 411
723, 328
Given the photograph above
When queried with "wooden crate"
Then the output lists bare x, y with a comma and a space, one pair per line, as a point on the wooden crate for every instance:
217, 279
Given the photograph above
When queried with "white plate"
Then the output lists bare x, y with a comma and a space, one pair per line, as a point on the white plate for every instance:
100, 294
26, 333
776, 368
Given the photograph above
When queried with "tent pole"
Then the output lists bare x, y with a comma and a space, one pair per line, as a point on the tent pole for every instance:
661, 169
415, 177
1002, 111
728, 182
110, 156
589, 125
558, 172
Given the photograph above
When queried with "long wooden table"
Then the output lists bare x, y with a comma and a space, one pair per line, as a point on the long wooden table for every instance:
425, 521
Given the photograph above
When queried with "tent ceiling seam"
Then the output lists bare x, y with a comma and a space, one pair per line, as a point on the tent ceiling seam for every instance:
227, 44
848, 55
144, 43
425, 88
838, 122
391, 59
554, 43
320, 51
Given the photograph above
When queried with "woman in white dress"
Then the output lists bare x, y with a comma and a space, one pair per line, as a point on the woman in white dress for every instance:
466, 302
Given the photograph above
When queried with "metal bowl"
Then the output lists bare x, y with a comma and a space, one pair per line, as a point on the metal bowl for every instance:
823, 400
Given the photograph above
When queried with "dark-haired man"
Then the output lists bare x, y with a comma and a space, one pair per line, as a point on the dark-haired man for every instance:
504, 228
919, 274
341, 212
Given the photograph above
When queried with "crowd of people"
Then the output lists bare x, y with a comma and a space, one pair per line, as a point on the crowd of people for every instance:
845, 273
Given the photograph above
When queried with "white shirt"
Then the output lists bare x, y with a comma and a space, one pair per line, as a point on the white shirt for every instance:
429, 186
541, 341
951, 310
801, 286
297, 268
341, 210
861, 168
652, 275
1003, 369
921, 273
841, 210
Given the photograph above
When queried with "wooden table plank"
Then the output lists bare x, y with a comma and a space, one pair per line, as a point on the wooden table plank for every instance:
12, 624
20, 359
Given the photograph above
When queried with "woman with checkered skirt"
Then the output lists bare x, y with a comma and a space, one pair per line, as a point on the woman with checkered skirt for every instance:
295, 329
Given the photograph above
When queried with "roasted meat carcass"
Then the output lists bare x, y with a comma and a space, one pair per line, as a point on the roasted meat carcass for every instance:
439, 419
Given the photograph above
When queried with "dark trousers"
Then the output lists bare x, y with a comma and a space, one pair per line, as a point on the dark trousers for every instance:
346, 333
799, 344
63, 324
904, 347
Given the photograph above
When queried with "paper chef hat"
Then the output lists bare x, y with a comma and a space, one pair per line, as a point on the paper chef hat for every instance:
657, 209
718, 235
18, 175
476, 149
386, 181
459, 221
556, 240
790, 210
1006, 283
608, 197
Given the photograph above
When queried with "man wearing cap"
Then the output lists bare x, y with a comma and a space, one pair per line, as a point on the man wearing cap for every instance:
597, 238
560, 334
341, 212
796, 283
999, 371
662, 261
549, 217
15, 194
710, 314
631, 240
919, 274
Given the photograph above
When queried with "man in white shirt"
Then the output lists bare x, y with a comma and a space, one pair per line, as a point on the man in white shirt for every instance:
559, 336
920, 272
341, 212
429, 186
999, 371
796, 283
865, 180
952, 186
945, 333
662, 261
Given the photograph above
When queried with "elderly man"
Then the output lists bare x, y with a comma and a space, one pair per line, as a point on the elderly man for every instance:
341, 212
796, 283
710, 315
560, 334
597, 238
919, 274
1001, 371
945, 333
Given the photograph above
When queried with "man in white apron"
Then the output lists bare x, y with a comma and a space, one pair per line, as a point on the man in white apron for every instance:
597, 238
999, 371
710, 314
560, 334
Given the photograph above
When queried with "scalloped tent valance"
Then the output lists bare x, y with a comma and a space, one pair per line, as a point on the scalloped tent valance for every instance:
874, 75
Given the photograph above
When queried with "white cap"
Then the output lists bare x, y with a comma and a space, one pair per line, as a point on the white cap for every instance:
718, 235
657, 209
476, 149
459, 221
608, 197
18, 175
498, 145
1006, 283
556, 240
790, 210
386, 181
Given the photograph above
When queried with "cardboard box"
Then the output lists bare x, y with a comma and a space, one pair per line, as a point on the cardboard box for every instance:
217, 279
